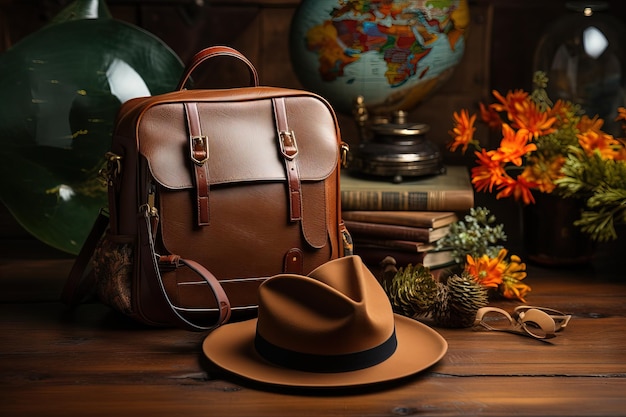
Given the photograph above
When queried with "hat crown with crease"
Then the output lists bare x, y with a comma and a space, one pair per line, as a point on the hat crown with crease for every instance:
325, 315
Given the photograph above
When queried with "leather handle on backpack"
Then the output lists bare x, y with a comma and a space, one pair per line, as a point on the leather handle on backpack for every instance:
212, 52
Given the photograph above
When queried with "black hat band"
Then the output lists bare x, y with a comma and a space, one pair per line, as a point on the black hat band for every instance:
325, 363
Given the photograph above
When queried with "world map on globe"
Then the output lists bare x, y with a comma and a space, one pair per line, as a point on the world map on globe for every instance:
393, 53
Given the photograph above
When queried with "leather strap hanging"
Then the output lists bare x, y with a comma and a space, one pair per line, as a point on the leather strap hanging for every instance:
150, 277
289, 151
199, 153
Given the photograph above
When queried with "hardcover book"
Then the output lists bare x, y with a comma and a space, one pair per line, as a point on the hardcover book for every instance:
434, 259
451, 191
396, 244
395, 232
403, 218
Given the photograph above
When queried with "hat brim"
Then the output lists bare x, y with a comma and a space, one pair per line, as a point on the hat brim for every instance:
231, 347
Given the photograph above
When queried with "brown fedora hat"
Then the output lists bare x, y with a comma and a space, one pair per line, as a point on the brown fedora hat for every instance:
332, 328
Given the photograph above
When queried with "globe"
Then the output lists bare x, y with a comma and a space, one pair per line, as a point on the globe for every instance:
394, 54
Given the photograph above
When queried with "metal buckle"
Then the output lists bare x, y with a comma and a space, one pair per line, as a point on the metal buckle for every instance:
199, 149
112, 169
288, 146
345, 150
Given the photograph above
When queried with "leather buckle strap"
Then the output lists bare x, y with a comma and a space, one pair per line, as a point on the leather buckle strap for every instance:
288, 146
289, 150
199, 154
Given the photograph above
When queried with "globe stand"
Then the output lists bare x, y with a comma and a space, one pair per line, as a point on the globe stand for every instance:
393, 148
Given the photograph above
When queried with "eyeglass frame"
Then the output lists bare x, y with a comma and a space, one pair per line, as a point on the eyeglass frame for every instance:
548, 320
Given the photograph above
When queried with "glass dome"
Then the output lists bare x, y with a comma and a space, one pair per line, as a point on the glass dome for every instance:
584, 56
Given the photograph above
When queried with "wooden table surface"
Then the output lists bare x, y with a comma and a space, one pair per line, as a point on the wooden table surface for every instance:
93, 362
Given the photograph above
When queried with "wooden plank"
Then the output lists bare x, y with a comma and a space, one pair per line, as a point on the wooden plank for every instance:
98, 338
102, 356
496, 396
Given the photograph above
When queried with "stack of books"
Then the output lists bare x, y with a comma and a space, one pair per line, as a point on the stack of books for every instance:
405, 220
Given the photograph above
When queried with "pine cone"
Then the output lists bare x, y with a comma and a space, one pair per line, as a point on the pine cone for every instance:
458, 301
412, 291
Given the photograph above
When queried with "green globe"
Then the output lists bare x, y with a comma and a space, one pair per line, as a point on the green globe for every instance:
393, 53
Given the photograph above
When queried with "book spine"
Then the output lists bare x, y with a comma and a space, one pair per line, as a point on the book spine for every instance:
435, 200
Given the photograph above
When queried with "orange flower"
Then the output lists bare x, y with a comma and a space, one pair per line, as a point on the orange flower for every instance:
487, 271
512, 276
514, 145
463, 131
488, 173
602, 142
520, 189
498, 273
528, 116
491, 117
508, 104
585, 124
515, 289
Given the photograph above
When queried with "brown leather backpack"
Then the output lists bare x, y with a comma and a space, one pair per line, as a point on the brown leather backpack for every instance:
241, 182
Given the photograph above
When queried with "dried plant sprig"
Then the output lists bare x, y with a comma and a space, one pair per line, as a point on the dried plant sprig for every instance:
476, 235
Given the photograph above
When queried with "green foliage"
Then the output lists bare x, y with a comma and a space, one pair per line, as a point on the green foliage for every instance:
557, 143
476, 235
539, 94
602, 183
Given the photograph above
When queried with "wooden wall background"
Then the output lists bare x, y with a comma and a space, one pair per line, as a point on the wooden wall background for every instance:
501, 42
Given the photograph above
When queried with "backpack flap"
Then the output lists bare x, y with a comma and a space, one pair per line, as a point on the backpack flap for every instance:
248, 184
